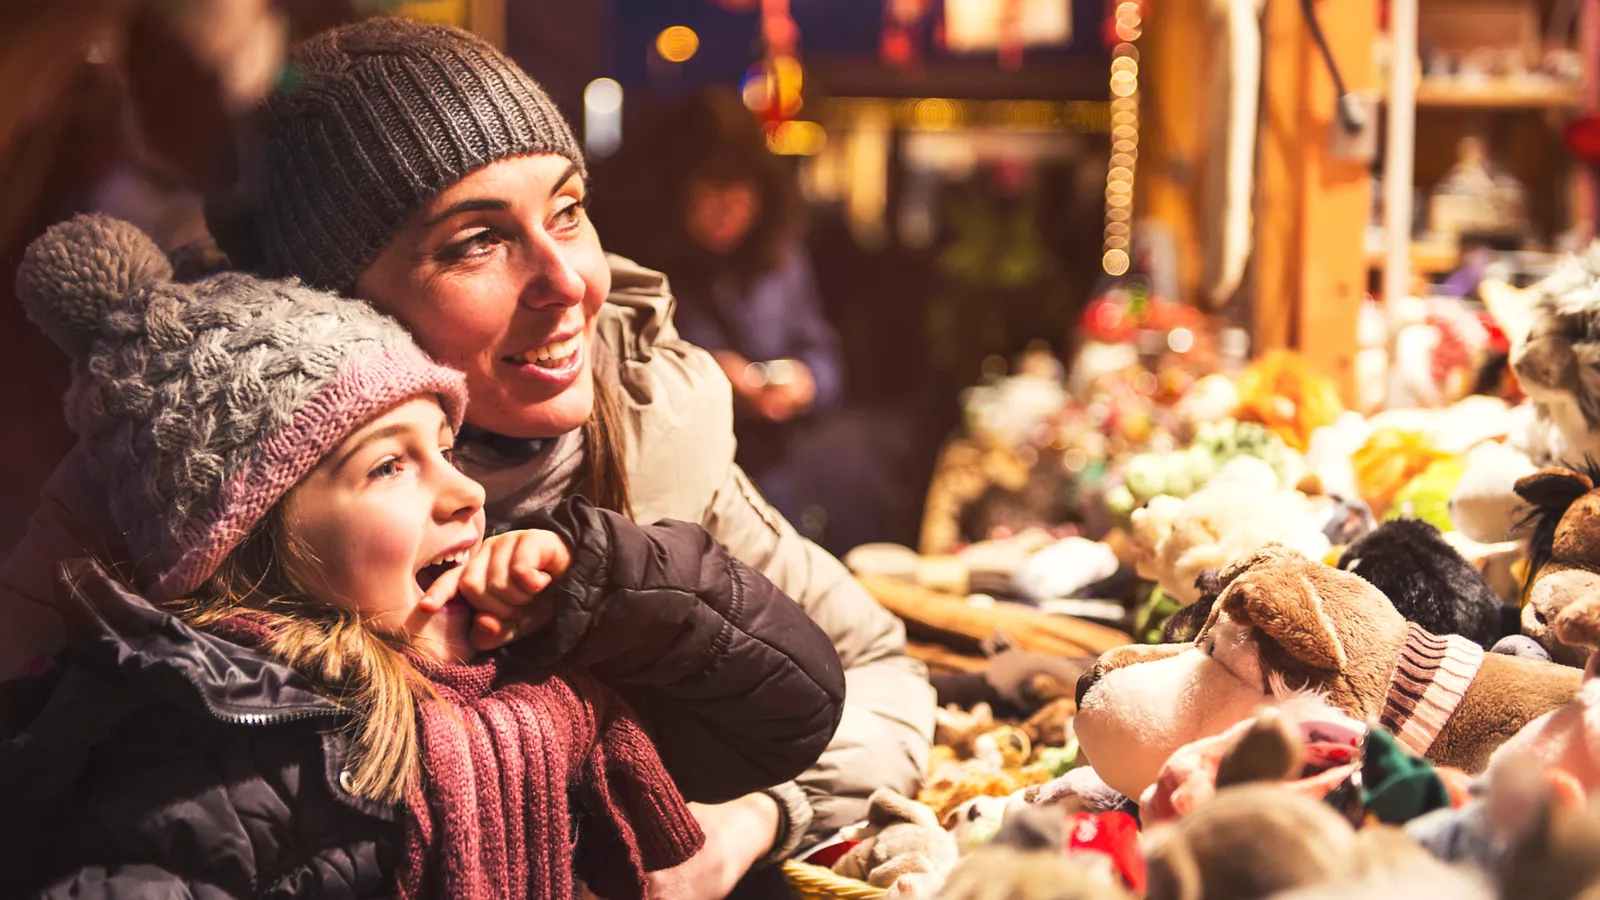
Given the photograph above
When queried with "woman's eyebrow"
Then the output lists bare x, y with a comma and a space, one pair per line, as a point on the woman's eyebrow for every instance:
565, 177
479, 205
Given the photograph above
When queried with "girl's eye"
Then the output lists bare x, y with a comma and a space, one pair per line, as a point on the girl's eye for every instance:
449, 454
386, 469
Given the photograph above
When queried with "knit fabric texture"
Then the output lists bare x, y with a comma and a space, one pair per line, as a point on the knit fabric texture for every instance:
529, 781
202, 404
368, 122
1429, 680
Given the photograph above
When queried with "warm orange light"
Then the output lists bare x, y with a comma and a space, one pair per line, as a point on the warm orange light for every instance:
677, 44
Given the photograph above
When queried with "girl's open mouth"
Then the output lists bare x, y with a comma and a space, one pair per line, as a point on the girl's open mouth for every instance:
432, 572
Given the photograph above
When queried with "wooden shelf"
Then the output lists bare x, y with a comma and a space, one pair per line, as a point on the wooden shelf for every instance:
1427, 258
1443, 95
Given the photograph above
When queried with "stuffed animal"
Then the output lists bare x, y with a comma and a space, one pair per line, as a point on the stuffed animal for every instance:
1428, 582
1566, 739
1564, 554
1273, 747
1175, 540
1285, 625
1006, 873
1182, 472
1253, 841
904, 838
1555, 355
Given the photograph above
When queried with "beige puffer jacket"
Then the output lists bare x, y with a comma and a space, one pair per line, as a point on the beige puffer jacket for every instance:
677, 406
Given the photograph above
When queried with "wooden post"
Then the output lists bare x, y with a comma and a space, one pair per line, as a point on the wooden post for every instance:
1311, 209
1175, 71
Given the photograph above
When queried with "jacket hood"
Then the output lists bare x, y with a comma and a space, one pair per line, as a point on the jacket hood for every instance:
115, 630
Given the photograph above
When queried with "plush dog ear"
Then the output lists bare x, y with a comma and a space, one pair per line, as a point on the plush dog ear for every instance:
1288, 607
1553, 487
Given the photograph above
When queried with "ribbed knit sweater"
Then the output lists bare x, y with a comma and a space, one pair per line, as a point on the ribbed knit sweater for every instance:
1429, 680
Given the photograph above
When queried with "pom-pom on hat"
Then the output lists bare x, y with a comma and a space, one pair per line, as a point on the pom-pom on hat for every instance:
202, 404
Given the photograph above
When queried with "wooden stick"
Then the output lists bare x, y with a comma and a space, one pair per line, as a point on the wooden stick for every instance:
947, 619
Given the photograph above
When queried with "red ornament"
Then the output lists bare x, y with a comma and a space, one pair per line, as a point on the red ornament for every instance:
1113, 834
1582, 138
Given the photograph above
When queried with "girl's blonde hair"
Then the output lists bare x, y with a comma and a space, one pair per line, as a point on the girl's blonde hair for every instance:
360, 668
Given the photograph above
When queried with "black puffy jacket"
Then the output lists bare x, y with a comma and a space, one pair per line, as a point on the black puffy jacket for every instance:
160, 761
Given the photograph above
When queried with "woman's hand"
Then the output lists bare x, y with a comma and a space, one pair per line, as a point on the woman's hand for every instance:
738, 833
501, 580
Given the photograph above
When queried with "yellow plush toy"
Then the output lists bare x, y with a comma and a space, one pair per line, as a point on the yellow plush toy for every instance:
1282, 392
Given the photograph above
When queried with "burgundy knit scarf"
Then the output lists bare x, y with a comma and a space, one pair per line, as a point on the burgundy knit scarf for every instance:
526, 780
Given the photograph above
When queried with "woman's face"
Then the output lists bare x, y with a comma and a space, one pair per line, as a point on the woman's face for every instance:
501, 276
721, 213
383, 515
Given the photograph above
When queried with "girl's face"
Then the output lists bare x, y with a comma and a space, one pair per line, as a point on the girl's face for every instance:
501, 276
383, 513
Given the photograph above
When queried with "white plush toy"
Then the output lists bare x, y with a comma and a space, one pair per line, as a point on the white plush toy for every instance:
1240, 511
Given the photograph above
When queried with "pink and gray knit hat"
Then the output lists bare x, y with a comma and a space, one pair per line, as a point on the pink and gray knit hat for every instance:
202, 404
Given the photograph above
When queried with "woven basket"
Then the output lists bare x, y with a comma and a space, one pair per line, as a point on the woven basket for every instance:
808, 882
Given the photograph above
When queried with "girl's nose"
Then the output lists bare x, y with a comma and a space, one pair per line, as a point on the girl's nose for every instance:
459, 497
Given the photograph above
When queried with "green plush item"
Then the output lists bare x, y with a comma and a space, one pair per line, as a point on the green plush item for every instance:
1183, 472
1059, 760
1393, 786
1427, 496
1152, 615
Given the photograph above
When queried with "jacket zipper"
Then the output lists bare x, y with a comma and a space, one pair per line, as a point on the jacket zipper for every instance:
258, 719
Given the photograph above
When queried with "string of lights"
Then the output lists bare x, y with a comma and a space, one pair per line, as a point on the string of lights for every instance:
1124, 159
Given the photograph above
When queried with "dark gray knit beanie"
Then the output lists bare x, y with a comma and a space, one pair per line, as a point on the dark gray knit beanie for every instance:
202, 404
369, 121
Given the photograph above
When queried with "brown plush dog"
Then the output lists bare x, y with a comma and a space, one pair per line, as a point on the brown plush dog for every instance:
1285, 625
1565, 564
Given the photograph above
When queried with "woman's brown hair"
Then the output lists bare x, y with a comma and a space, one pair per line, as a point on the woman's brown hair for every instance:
363, 670
604, 479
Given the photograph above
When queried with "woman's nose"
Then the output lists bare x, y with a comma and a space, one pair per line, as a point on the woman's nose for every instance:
552, 279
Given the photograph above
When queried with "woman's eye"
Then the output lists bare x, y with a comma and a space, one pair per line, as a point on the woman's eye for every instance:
473, 245
568, 216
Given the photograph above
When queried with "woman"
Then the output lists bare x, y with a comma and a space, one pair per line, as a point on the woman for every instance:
702, 198
419, 169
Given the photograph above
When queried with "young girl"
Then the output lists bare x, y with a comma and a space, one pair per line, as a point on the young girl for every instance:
291, 702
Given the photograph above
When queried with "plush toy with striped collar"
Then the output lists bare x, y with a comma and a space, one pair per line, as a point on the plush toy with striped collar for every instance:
1284, 626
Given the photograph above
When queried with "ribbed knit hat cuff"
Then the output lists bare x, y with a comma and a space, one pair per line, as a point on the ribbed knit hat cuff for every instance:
365, 387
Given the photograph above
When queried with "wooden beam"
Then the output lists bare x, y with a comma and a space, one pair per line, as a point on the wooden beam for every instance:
1175, 70
1311, 208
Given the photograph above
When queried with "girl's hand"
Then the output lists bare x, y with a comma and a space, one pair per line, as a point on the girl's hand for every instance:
501, 580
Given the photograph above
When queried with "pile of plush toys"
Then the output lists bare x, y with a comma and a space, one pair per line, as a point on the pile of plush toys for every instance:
1370, 671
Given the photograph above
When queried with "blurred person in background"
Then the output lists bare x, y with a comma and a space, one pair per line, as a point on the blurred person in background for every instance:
700, 197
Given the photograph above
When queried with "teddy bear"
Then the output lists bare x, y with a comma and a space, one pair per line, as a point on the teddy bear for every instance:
1284, 625
1428, 582
1564, 552
902, 837
1175, 540
1565, 740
